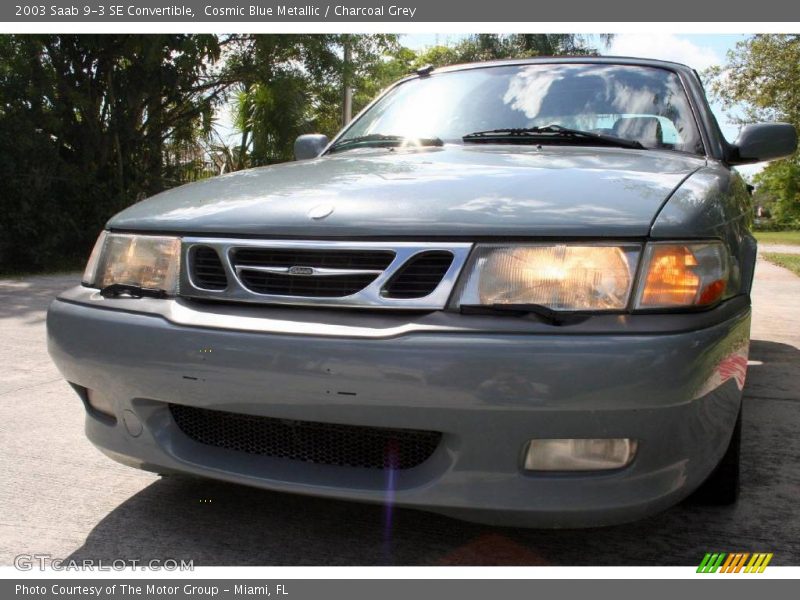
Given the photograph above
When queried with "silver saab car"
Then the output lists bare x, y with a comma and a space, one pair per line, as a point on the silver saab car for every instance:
511, 292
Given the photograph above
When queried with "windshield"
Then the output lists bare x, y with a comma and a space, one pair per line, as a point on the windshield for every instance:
645, 104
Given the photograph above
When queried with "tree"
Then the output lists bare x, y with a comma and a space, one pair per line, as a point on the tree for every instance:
485, 46
90, 124
292, 84
762, 73
779, 183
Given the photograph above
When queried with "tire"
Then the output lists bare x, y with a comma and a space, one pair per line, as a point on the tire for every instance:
722, 486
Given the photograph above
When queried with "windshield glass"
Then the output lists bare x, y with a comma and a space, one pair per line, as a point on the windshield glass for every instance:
645, 104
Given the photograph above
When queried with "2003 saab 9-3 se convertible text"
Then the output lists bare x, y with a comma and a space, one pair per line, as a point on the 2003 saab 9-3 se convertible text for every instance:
512, 292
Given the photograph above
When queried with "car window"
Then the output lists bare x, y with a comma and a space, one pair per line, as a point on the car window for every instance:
647, 104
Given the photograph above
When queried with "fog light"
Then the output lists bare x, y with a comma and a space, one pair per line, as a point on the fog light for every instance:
100, 402
579, 454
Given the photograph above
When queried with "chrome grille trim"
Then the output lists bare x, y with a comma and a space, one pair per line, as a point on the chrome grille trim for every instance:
369, 297
315, 271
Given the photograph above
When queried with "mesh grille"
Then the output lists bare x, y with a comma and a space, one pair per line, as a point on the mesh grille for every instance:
309, 286
330, 259
207, 269
321, 443
419, 276
314, 286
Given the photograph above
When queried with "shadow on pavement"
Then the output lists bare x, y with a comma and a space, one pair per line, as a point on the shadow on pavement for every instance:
213, 523
28, 298
773, 372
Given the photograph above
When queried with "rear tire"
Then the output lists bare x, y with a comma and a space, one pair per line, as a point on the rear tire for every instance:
722, 486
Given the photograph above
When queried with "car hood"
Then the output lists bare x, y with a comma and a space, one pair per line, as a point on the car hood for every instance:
454, 191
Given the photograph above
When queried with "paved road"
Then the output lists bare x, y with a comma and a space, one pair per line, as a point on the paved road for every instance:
783, 248
62, 497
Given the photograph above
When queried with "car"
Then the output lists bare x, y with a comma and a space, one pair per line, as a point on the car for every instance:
513, 292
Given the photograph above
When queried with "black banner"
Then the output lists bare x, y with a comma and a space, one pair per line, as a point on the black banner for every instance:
405, 589
401, 11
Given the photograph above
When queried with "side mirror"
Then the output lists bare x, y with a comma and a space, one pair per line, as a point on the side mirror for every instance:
309, 146
764, 141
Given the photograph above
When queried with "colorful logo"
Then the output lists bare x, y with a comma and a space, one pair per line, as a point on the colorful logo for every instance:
734, 562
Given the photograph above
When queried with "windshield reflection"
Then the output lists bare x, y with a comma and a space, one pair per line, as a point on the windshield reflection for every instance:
645, 104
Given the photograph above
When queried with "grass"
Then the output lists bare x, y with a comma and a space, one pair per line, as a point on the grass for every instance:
787, 261
778, 237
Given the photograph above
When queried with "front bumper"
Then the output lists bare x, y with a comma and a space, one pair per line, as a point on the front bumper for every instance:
489, 393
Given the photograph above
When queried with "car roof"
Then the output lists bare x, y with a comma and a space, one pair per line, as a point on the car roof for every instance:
579, 59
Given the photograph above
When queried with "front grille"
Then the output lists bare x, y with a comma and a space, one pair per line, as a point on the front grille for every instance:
419, 276
304, 285
207, 270
306, 441
330, 259
400, 275
334, 274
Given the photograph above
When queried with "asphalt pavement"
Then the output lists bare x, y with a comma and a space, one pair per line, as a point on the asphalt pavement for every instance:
61, 497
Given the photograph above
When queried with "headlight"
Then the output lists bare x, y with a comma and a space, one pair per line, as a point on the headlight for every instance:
568, 277
596, 277
142, 261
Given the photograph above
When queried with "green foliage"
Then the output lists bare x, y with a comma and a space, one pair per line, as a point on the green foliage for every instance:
763, 74
90, 124
87, 126
481, 47
791, 238
780, 182
292, 84
787, 261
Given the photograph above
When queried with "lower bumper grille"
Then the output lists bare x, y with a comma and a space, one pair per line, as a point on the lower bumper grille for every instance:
321, 443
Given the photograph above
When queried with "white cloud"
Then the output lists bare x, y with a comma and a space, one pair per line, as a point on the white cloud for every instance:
664, 46
675, 48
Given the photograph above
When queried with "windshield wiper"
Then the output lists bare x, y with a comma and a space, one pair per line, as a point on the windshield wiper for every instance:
525, 135
383, 140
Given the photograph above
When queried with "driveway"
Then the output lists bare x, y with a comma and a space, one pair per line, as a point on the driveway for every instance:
62, 497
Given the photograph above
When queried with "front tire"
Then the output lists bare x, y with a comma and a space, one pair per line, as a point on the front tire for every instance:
722, 486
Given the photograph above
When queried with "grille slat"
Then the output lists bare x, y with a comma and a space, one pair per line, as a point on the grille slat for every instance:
309, 286
329, 259
320, 287
307, 441
419, 276
207, 269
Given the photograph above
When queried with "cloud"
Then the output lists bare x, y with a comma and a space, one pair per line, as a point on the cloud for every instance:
664, 47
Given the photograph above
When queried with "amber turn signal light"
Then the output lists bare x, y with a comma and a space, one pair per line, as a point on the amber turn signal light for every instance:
679, 275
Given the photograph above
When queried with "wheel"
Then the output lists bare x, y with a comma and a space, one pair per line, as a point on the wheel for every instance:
722, 486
